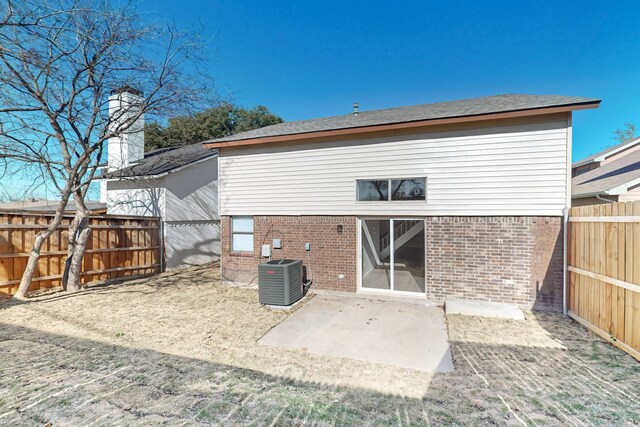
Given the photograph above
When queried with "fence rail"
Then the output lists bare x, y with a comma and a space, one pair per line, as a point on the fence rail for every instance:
119, 246
604, 271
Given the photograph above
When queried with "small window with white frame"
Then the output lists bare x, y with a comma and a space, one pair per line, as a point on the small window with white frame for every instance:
393, 189
242, 234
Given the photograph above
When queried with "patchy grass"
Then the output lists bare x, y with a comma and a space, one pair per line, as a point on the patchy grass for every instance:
180, 348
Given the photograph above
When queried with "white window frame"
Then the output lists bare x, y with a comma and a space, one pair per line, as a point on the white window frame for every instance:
359, 285
389, 199
244, 233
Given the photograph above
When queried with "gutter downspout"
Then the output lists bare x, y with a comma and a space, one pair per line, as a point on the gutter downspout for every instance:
599, 197
163, 219
565, 213
162, 245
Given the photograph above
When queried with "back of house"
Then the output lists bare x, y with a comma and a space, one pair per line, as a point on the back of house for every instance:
461, 199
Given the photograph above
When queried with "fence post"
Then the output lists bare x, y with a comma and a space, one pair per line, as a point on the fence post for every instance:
565, 265
161, 243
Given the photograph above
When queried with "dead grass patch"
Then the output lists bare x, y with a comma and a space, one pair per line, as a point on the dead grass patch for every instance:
180, 348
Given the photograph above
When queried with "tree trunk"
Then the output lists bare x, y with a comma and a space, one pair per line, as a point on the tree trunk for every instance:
79, 233
32, 263
75, 267
71, 244
34, 255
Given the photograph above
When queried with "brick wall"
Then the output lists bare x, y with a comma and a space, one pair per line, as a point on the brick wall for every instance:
331, 254
501, 259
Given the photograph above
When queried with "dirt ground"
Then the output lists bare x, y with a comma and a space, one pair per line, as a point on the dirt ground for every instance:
181, 349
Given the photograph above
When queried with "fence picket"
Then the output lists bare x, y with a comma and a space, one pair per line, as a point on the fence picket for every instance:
110, 253
635, 335
604, 271
614, 272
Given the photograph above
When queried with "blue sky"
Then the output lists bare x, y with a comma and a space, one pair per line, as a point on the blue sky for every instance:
307, 59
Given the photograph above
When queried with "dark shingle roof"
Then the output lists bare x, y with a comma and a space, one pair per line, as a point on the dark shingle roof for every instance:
440, 110
603, 179
164, 160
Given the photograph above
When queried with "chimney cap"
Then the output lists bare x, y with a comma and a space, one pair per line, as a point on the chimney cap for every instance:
126, 88
355, 108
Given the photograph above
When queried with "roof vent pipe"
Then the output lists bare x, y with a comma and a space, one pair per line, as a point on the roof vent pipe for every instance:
355, 108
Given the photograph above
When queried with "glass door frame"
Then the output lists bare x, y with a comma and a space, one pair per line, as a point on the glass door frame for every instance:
390, 291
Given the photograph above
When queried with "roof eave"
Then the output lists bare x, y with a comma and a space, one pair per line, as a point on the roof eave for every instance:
603, 157
160, 175
586, 162
591, 194
403, 125
623, 188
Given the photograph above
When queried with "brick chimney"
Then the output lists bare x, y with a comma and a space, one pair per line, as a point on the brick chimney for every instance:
128, 147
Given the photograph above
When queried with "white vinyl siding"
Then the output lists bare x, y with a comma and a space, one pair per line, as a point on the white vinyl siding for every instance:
186, 199
136, 197
192, 192
507, 170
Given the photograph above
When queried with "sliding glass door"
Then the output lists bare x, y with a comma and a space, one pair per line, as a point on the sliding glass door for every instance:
392, 255
408, 255
376, 260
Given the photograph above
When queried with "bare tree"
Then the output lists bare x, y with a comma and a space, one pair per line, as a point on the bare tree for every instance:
625, 134
60, 61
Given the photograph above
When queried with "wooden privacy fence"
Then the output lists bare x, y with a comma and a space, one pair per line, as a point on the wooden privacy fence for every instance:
604, 269
119, 246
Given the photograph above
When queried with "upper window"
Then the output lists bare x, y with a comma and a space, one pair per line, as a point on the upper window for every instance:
408, 189
373, 191
242, 234
391, 189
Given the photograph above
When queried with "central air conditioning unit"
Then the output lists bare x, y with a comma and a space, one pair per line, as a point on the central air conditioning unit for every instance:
280, 282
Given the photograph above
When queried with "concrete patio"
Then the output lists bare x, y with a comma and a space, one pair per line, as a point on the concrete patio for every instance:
408, 334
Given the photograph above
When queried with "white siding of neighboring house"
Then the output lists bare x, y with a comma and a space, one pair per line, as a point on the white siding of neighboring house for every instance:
192, 192
138, 197
517, 169
192, 221
186, 199
631, 195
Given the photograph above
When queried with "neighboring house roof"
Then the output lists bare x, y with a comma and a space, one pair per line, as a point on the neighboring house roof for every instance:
164, 160
607, 152
48, 206
613, 178
416, 114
